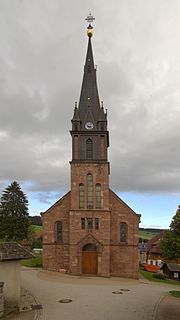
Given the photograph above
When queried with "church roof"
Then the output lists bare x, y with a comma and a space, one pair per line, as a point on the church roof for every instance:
89, 96
89, 105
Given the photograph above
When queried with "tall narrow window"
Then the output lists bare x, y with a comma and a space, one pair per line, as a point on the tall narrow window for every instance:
123, 232
98, 196
89, 223
96, 223
81, 196
58, 231
89, 191
89, 149
83, 224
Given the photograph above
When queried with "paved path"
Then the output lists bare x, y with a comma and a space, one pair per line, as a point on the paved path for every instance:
92, 297
169, 309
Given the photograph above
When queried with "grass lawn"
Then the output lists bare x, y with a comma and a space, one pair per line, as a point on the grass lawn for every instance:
36, 228
149, 276
34, 262
175, 293
146, 235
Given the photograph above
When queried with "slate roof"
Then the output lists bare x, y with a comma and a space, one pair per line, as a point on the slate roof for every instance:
172, 267
89, 86
89, 105
13, 251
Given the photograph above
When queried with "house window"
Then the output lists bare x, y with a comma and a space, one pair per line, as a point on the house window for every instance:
96, 223
98, 196
58, 230
123, 232
83, 223
89, 149
89, 191
89, 223
81, 196
176, 276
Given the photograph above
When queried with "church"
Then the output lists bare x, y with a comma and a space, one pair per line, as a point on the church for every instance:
90, 230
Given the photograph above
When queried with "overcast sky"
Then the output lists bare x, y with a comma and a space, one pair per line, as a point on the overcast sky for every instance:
137, 50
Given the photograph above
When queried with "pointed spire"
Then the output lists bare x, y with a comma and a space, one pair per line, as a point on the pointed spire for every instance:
89, 57
76, 114
89, 109
89, 97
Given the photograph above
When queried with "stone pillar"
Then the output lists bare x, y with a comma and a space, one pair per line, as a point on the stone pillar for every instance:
1, 299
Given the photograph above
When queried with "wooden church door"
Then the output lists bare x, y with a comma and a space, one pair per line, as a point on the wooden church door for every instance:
89, 259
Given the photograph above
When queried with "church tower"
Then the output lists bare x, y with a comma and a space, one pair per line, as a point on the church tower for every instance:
90, 230
90, 142
89, 165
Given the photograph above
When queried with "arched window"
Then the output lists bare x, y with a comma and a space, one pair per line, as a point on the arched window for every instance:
58, 231
89, 149
98, 196
81, 196
89, 191
123, 232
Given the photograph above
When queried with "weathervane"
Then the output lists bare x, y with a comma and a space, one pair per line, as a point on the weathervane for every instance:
90, 20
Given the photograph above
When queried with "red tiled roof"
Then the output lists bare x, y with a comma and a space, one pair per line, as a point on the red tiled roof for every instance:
153, 245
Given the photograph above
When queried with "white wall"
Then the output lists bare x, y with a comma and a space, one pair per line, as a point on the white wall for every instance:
10, 275
154, 262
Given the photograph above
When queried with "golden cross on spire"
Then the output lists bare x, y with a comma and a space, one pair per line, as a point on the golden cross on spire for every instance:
90, 20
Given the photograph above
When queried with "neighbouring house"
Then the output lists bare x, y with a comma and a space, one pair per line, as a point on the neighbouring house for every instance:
154, 256
90, 230
172, 270
10, 255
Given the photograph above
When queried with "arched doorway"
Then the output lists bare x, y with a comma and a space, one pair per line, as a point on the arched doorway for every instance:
89, 259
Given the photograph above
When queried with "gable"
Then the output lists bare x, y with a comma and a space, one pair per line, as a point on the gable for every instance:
114, 200
65, 200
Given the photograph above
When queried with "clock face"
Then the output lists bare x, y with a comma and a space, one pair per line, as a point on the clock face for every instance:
89, 125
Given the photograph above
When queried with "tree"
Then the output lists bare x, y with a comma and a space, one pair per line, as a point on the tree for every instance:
36, 220
14, 221
170, 245
175, 223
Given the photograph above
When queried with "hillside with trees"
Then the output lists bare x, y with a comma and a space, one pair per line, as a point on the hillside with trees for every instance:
170, 245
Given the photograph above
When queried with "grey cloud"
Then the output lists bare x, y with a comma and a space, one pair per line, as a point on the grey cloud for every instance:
136, 48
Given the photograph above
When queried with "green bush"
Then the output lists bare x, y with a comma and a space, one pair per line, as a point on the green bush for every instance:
37, 243
159, 276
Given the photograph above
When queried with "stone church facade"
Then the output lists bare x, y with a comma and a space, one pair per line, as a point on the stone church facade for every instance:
90, 230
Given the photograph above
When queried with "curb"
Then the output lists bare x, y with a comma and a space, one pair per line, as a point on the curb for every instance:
154, 316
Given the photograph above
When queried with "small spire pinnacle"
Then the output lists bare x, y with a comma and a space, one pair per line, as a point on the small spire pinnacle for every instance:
90, 20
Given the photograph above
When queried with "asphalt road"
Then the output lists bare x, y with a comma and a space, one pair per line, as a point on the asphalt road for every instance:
92, 297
